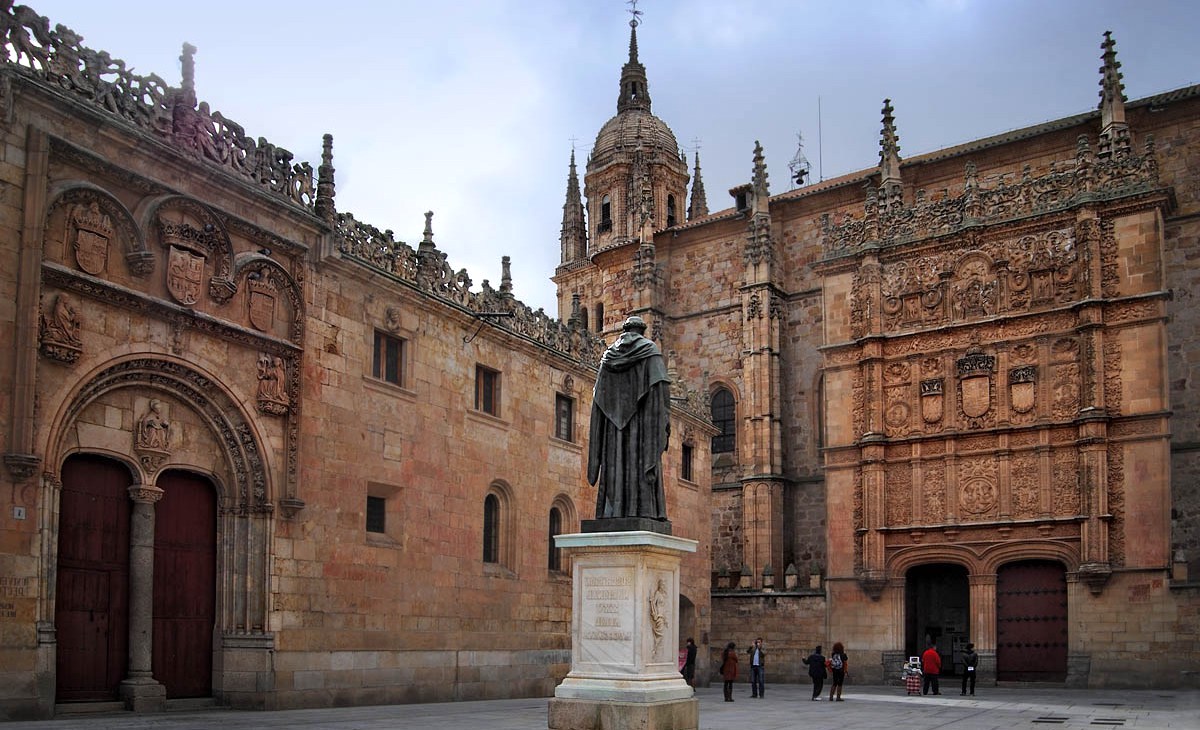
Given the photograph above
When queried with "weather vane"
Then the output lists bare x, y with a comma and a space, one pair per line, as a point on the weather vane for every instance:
633, 11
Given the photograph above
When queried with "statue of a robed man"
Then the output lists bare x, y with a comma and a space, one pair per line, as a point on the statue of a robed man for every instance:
630, 427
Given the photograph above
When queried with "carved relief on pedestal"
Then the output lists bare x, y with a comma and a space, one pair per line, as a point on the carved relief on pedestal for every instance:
152, 435
59, 328
1025, 483
1066, 482
659, 614
91, 231
978, 495
898, 494
272, 385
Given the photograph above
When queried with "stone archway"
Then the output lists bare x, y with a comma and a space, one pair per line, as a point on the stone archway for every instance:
937, 609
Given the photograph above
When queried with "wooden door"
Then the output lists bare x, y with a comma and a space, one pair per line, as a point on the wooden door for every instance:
91, 616
1031, 622
184, 584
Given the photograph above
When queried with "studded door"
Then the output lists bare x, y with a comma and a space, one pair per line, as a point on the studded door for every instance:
91, 610
1031, 622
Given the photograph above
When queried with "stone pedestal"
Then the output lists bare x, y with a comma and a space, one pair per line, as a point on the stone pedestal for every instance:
624, 635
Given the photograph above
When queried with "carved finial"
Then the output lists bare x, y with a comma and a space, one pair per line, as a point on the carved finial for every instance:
505, 276
575, 319
188, 61
1114, 132
759, 181
889, 149
323, 205
426, 243
699, 205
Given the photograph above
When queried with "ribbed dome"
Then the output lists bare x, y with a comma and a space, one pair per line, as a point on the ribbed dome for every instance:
621, 133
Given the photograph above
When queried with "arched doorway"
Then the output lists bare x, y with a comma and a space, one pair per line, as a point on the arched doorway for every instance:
185, 529
91, 610
1031, 622
937, 609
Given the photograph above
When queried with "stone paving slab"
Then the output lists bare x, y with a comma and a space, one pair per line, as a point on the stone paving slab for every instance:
785, 706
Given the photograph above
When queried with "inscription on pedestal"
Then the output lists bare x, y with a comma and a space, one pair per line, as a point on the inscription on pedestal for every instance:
607, 607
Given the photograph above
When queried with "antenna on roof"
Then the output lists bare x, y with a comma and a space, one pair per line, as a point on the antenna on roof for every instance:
799, 165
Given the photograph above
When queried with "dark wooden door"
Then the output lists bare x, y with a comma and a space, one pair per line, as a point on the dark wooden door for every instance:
184, 584
91, 616
1031, 622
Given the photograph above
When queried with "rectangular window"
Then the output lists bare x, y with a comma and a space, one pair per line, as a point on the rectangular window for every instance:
685, 468
487, 390
564, 417
388, 360
376, 514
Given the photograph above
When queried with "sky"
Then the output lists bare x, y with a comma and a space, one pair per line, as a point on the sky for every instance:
470, 108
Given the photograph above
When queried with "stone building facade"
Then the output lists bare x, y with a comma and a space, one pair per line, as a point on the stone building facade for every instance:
957, 394
255, 449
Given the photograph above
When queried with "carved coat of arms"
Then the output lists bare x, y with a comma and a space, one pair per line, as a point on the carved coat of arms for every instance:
185, 275
262, 304
1022, 388
93, 230
932, 400
975, 383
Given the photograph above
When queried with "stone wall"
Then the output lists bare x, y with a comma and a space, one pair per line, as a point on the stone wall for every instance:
790, 625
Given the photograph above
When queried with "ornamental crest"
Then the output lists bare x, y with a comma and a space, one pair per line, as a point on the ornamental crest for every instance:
93, 230
262, 303
975, 383
1022, 388
932, 400
185, 274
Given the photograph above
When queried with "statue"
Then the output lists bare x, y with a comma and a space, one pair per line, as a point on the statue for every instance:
630, 427
154, 430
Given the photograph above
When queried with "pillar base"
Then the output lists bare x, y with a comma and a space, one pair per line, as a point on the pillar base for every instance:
143, 695
572, 714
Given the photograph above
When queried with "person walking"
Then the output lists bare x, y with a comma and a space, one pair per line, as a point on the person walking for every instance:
970, 661
758, 663
729, 663
816, 670
931, 667
839, 667
689, 663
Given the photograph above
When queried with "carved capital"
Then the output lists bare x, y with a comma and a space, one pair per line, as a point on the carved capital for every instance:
290, 506
1095, 576
145, 493
873, 582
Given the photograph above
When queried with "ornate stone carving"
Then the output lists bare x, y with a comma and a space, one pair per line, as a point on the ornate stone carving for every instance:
659, 613
272, 385
934, 492
754, 308
152, 435
932, 399
897, 412
145, 493
1064, 390
59, 330
391, 319
1065, 476
1022, 390
975, 383
1026, 486
978, 493
898, 495
261, 302
21, 466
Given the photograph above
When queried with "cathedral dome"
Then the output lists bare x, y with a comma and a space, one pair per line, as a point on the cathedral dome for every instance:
623, 133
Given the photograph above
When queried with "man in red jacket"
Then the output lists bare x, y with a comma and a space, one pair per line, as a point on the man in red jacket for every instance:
931, 667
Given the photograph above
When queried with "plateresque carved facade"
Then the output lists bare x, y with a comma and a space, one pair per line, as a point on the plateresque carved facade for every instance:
957, 393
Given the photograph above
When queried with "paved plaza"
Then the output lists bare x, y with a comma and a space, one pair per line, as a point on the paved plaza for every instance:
785, 706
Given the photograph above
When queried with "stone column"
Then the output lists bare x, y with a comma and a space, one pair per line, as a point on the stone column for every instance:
139, 690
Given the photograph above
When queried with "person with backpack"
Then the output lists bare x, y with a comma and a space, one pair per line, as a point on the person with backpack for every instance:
839, 666
816, 670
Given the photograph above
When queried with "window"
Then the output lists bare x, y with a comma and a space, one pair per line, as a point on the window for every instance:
487, 390
670, 210
685, 467
583, 317
388, 361
554, 561
376, 514
599, 317
491, 529
723, 418
564, 417
605, 215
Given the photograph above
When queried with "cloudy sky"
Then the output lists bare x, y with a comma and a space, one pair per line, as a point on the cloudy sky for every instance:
468, 108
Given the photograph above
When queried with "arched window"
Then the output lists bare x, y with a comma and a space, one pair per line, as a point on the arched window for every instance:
600, 316
723, 418
670, 210
554, 561
605, 215
491, 529
583, 317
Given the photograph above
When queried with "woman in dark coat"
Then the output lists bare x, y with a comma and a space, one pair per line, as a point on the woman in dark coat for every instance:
816, 670
729, 669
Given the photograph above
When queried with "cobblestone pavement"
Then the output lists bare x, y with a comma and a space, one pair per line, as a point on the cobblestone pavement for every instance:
785, 706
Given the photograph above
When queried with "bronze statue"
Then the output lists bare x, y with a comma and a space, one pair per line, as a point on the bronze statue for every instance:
630, 427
